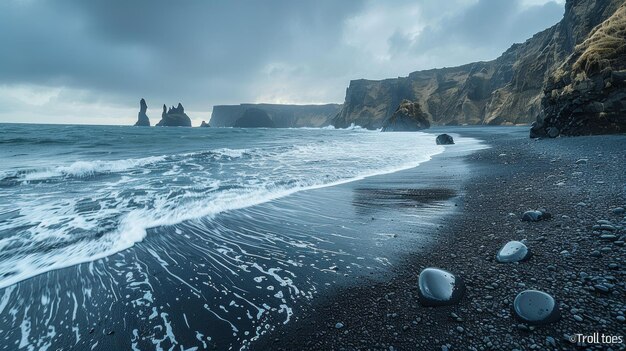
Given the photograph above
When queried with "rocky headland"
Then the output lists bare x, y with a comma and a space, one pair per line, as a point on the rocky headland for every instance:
512, 89
283, 116
587, 93
254, 118
142, 118
174, 117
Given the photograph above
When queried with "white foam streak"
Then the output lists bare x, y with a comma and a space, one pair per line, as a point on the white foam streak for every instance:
331, 127
89, 168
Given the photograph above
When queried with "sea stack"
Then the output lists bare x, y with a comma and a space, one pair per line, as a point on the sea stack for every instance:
408, 117
142, 118
174, 117
205, 124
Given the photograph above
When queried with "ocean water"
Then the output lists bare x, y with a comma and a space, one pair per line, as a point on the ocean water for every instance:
177, 238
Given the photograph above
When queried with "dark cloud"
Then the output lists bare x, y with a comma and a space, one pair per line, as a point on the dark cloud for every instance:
488, 27
191, 49
111, 53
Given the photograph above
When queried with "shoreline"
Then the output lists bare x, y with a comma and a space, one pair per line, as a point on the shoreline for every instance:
346, 254
220, 281
514, 175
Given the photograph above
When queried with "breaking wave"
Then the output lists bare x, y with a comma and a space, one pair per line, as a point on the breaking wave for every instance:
68, 216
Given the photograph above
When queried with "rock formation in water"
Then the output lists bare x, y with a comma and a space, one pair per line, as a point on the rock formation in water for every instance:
408, 117
444, 139
205, 124
283, 116
507, 90
587, 93
254, 118
174, 117
142, 118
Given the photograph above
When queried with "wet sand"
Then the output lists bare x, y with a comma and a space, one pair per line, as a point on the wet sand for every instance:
570, 258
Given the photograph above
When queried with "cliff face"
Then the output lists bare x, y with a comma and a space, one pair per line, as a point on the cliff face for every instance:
587, 93
507, 90
142, 118
282, 116
174, 117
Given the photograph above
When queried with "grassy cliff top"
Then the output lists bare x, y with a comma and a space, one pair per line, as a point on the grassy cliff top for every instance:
605, 48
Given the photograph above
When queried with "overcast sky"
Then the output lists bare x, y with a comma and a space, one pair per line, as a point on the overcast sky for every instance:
90, 61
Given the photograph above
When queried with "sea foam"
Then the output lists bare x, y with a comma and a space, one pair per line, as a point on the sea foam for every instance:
79, 220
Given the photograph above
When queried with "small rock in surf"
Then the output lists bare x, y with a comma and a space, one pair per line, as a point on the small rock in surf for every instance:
444, 139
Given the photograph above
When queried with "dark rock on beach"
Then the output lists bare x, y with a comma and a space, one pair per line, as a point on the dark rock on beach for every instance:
532, 216
444, 139
142, 118
254, 118
174, 117
439, 288
553, 132
513, 251
536, 307
408, 117
536, 216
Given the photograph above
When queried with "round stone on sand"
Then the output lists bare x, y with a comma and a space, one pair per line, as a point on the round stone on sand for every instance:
438, 287
513, 251
531, 216
536, 307
536, 215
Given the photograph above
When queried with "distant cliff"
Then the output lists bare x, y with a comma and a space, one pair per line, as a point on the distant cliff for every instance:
282, 116
507, 90
254, 118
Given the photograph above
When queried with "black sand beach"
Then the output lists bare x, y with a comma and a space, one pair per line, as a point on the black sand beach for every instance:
579, 180
282, 274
